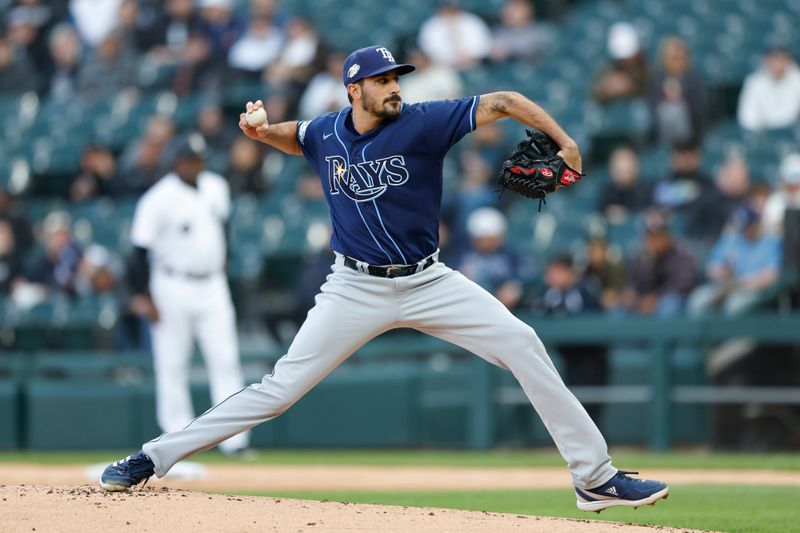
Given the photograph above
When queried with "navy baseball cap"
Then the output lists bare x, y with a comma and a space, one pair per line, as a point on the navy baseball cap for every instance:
371, 61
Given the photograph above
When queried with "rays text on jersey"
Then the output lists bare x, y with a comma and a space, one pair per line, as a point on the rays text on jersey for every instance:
367, 180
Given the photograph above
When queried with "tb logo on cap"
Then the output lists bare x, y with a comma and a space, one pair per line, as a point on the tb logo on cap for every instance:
387, 55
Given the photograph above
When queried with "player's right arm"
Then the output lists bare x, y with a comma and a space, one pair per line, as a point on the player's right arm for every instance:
282, 136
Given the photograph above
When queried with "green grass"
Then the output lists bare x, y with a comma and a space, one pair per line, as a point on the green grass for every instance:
711, 507
623, 458
747, 509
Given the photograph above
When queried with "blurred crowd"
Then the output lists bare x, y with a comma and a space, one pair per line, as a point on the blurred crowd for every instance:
711, 238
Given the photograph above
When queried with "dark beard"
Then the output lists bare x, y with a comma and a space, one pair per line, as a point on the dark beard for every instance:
370, 106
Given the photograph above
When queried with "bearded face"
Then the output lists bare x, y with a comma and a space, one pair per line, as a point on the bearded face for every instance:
380, 96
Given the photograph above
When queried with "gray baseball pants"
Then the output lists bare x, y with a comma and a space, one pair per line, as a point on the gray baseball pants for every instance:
353, 308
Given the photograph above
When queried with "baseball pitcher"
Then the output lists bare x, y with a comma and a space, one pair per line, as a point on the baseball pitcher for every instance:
380, 162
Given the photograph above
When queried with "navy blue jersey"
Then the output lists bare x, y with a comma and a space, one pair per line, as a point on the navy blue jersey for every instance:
384, 187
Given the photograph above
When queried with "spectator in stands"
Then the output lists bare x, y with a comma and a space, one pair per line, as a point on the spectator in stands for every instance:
217, 132
195, 69
786, 197
110, 69
490, 263
14, 214
709, 215
605, 269
141, 24
57, 269
161, 32
758, 196
267, 8
686, 183
94, 19
65, 50
568, 295
245, 172
171, 32
221, 27
476, 183
28, 25
625, 196
10, 258
519, 36
488, 141
159, 130
146, 168
431, 81
303, 55
477, 172
661, 275
99, 271
324, 92
742, 264
626, 76
678, 96
127, 24
97, 176
770, 97
257, 48
455, 37
16, 73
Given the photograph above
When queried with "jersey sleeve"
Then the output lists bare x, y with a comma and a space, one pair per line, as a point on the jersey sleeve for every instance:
307, 133
447, 121
144, 228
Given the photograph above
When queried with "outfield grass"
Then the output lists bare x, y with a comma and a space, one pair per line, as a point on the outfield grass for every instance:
623, 458
711, 507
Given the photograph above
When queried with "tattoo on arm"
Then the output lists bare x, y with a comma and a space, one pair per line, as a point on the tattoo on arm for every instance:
494, 106
495, 103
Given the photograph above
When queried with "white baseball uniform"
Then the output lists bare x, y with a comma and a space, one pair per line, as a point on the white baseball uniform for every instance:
182, 227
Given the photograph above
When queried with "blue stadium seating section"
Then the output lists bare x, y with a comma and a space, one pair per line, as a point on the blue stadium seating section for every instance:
45, 139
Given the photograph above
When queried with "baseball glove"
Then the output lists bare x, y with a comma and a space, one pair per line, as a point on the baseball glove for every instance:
534, 169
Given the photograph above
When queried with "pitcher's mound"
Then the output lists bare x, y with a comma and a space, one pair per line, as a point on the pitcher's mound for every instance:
87, 508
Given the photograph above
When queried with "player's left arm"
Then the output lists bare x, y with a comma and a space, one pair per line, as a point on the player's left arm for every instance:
494, 106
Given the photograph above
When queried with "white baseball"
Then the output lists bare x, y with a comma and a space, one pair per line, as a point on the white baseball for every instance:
256, 118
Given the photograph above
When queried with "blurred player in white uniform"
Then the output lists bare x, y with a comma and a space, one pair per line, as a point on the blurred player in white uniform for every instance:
179, 283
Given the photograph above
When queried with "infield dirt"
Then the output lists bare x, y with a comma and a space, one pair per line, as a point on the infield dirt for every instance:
82, 508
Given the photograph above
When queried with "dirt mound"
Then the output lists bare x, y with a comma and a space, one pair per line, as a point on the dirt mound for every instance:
87, 508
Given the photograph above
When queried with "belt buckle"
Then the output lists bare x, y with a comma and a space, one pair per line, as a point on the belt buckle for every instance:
391, 269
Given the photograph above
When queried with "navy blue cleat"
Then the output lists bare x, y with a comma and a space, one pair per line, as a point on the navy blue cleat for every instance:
124, 474
621, 491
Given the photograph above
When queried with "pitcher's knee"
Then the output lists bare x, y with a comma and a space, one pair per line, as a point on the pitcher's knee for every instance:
276, 399
523, 338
